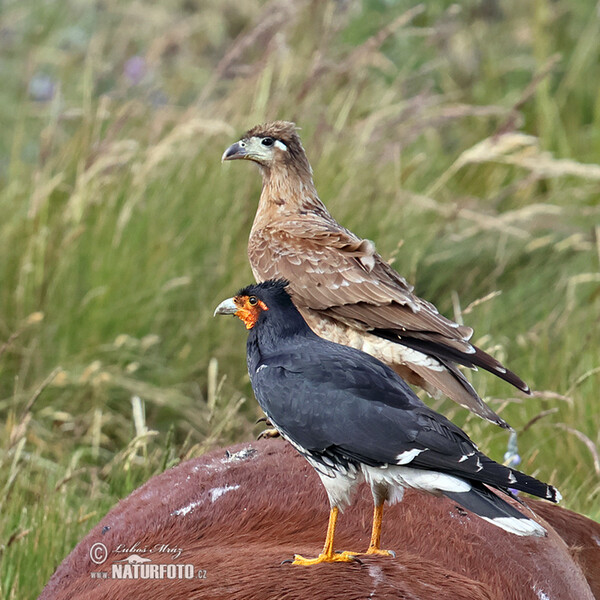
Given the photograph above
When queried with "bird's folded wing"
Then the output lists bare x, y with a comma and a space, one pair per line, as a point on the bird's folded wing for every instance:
333, 405
340, 406
358, 406
332, 270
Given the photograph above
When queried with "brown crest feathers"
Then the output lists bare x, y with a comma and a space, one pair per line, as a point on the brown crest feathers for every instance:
287, 133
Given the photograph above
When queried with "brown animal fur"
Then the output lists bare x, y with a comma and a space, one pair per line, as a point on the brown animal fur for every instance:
581, 535
241, 537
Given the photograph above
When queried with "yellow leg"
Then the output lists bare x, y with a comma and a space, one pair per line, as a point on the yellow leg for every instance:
328, 554
376, 533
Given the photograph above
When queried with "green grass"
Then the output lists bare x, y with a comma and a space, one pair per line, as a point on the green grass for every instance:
464, 141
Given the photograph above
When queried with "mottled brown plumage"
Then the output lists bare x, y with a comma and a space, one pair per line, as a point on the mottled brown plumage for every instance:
344, 289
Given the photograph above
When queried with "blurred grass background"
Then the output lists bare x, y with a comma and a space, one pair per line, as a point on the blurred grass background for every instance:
463, 139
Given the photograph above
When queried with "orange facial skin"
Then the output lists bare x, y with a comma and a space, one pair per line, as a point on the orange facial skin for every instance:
249, 309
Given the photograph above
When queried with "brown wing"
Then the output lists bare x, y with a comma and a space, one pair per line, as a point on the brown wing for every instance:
333, 271
330, 269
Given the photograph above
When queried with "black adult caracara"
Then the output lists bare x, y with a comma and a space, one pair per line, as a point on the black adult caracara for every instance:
353, 418
346, 292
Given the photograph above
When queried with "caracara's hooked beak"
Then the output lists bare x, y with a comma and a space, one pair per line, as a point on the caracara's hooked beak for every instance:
235, 151
227, 307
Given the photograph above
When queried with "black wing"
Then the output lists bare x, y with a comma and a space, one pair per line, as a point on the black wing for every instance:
335, 399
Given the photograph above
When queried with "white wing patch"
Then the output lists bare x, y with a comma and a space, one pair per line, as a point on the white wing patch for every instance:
433, 481
328, 461
407, 456
379, 348
337, 286
557, 494
393, 353
368, 262
465, 457
428, 481
517, 526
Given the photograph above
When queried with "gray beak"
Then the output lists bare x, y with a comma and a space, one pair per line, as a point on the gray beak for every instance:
227, 307
234, 151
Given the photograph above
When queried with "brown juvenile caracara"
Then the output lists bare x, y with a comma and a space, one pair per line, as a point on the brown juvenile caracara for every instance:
343, 288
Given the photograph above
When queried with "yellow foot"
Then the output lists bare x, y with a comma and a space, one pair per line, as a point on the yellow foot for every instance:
378, 552
268, 433
324, 558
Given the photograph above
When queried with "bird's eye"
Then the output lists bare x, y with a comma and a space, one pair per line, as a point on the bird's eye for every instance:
252, 301
268, 141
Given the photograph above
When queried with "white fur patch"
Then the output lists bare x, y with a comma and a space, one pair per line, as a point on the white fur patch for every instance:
540, 593
181, 512
280, 145
243, 454
216, 493
377, 576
